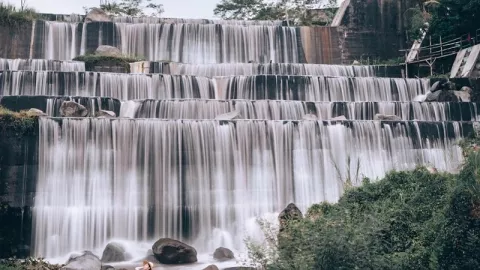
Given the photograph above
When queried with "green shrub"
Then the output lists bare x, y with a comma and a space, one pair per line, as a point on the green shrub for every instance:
92, 60
10, 16
408, 220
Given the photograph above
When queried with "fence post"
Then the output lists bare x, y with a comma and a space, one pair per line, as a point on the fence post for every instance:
441, 48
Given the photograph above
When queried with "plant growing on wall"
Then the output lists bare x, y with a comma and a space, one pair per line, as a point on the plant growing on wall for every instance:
134, 8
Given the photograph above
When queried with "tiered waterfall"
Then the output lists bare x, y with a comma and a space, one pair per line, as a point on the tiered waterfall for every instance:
168, 167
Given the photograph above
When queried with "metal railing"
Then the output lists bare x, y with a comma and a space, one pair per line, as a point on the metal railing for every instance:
443, 48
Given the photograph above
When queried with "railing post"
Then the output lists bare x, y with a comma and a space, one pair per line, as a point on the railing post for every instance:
441, 48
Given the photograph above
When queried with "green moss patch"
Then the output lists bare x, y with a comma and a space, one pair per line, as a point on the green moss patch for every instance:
91, 61
20, 123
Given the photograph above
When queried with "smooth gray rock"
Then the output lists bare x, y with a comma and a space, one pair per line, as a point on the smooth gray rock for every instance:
105, 50
385, 117
170, 251
86, 261
97, 15
435, 86
433, 96
106, 114
37, 112
114, 252
464, 96
229, 116
211, 267
223, 254
73, 109
108, 267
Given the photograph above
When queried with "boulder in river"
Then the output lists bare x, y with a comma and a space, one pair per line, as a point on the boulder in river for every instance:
85, 261
386, 117
105, 50
228, 116
106, 114
211, 267
97, 15
170, 251
73, 109
36, 112
223, 254
114, 252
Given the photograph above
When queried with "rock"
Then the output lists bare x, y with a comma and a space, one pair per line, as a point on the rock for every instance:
339, 118
386, 117
106, 114
170, 251
97, 15
462, 96
291, 212
36, 112
223, 254
72, 109
105, 50
447, 96
433, 96
467, 89
309, 116
435, 87
211, 267
356, 63
432, 170
86, 261
228, 116
108, 267
114, 252
240, 268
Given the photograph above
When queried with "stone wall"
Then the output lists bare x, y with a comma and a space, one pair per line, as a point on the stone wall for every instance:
18, 174
15, 41
373, 29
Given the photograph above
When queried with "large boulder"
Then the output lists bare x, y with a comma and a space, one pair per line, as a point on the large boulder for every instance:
447, 96
106, 114
229, 116
291, 212
85, 261
211, 267
105, 50
114, 252
223, 254
97, 15
170, 251
37, 112
73, 109
386, 117
436, 86
433, 96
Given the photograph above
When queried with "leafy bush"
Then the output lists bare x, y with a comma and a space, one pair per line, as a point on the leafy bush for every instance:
408, 220
92, 60
12, 17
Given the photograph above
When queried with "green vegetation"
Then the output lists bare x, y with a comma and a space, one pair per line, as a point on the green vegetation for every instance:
130, 8
11, 16
20, 123
408, 220
92, 60
453, 18
293, 11
28, 264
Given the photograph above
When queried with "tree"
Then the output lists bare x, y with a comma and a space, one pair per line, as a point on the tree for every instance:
131, 7
455, 18
294, 11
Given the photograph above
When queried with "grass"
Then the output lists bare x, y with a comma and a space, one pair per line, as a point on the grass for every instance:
11, 16
21, 123
92, 60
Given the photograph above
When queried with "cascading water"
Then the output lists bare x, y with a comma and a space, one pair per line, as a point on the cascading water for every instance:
161, 86
209, 43
61, 42
296, 110
250, 69
143, 179
40, 64
121, 86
